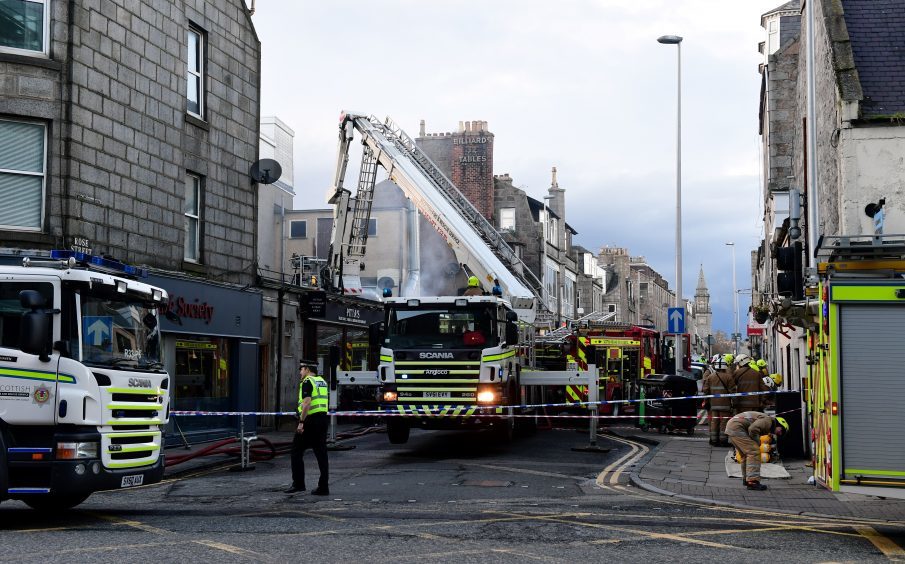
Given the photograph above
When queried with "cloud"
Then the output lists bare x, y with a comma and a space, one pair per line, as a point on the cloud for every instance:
581, 85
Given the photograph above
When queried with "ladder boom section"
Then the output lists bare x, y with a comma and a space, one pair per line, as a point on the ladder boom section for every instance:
476, 243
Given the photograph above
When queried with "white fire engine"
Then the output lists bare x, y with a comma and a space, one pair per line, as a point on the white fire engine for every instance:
83, 392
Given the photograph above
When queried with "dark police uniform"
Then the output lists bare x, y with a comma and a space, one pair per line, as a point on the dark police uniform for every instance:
313, 433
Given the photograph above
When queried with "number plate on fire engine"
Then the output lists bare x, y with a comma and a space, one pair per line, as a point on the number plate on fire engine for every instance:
437, 394
134, 480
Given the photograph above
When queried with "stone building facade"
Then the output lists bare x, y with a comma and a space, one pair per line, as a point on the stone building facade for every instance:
127, 129
110, 96
859, 135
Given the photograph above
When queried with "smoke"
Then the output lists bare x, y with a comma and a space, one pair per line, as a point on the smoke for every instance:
440, 273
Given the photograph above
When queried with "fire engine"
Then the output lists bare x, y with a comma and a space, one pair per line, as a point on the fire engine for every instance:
624, 353
442, 359
83, 392
855, 365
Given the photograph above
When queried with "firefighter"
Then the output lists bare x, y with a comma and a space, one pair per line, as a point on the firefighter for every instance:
497, 290
474, 287
719, 382
748, 378
312, 429
745, 430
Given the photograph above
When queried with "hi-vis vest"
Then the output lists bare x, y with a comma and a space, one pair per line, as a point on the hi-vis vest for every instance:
318, 395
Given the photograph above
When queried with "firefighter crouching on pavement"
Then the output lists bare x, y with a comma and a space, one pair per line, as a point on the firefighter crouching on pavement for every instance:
719, 382
745, 430
749, 378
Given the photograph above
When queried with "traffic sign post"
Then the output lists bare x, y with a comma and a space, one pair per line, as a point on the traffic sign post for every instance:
675, 320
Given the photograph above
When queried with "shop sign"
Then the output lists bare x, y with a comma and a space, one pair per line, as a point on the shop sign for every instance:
315, 303
198, 345
192, 310
204, 308
352, 315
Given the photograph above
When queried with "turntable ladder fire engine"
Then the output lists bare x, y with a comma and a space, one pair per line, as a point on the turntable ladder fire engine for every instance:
478, 246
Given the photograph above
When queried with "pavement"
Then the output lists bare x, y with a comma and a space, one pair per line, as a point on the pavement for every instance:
689, 468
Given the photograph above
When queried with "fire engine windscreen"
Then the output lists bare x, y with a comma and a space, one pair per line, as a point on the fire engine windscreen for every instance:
439, 328
119, 332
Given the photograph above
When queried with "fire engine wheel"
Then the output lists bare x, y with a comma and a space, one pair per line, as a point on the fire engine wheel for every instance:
54, 502
398, 432
504, 431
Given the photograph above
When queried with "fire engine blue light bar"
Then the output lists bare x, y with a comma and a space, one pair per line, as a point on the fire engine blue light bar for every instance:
101, 262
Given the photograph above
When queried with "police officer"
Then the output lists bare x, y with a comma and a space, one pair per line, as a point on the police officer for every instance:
311, 430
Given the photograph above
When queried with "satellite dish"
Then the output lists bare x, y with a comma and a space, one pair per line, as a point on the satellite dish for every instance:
266, 171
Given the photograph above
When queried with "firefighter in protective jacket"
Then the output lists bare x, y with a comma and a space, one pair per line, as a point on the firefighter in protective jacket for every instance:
719, 382
745, 430
748, 378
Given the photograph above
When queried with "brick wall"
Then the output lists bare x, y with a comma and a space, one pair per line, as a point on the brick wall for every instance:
466, 158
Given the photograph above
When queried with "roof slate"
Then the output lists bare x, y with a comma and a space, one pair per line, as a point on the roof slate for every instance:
877, 32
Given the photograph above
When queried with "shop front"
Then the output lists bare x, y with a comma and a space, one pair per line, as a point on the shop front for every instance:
345, 325
210, 348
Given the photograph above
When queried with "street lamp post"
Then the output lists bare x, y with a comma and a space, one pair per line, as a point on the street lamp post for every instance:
735, 335
677, 41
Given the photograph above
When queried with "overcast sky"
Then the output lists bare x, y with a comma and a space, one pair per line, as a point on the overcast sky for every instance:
576, 84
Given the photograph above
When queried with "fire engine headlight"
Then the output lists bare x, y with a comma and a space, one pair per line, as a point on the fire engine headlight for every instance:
75, 451
390, 396
487, 396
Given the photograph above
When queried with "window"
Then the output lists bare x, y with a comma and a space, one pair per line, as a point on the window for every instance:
24, 26
195, 90
192, 218
507, 219
611, 308
551, 231
22, 157
372, 227
298, 229
772, 37
11, 310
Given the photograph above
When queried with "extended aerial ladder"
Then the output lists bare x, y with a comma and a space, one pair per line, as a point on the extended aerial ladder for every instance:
478, 246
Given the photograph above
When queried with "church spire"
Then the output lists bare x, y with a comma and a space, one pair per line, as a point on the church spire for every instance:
702, 285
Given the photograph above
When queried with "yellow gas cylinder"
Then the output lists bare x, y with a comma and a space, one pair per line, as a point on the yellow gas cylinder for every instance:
738, 456
766, 439
765, 457
766, 448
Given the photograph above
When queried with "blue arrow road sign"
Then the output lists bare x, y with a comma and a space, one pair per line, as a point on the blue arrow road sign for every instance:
98, 331
675, 320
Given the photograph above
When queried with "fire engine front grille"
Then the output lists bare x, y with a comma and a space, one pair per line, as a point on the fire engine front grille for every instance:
130, 407
130, 450
448, 381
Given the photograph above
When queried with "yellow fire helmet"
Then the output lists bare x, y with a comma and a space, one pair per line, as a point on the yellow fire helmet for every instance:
761, 363
777, 378
728, 358
783, 423
473, 282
